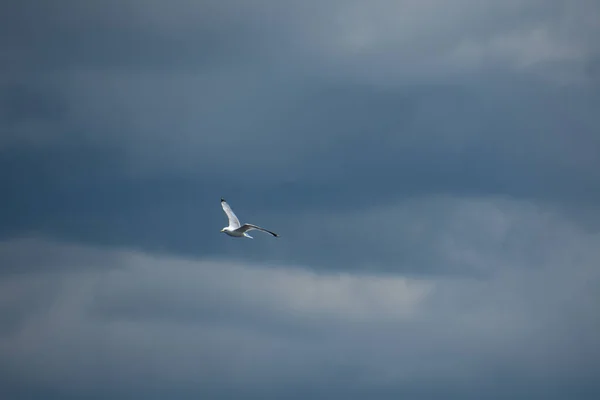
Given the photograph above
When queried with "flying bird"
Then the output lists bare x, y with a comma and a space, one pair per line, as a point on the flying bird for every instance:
235, 229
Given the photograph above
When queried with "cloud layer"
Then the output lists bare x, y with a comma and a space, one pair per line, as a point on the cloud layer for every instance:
120, 321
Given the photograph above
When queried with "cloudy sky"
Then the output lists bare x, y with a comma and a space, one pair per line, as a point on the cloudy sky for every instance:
432, 167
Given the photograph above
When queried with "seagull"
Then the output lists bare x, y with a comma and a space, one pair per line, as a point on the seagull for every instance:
234, 229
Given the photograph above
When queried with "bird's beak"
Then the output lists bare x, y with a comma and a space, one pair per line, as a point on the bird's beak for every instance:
222, 229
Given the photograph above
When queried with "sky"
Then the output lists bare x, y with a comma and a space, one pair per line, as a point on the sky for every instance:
432, 168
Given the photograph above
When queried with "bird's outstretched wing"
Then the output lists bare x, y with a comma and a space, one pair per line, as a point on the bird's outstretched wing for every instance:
249, 227
234, 222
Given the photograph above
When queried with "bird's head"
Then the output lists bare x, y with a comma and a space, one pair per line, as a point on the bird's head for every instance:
223, 230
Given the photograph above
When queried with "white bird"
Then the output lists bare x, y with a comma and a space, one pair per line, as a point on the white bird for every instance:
235, 229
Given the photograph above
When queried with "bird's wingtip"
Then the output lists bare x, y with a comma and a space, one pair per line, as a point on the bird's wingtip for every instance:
222, 199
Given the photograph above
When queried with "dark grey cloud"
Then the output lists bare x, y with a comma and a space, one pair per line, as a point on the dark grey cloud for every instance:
100, 150
187, 327
455, 144
329, 153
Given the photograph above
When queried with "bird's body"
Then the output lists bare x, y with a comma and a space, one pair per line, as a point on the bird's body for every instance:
235, 229
234, 233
